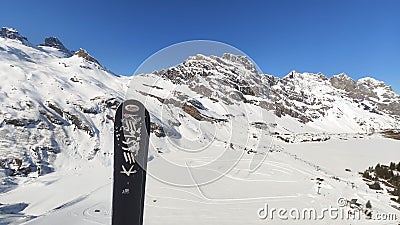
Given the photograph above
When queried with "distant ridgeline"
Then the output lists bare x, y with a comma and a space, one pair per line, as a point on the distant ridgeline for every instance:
384, 177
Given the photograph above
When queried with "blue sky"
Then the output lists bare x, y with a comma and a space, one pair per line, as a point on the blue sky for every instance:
358, 37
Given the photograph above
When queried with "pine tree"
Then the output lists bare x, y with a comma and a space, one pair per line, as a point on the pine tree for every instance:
375, 186
396, 192
392, 166
368, 205
366, 175
378, 170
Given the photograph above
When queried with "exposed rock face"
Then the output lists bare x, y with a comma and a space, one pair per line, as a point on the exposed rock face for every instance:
372, 95
12, 34
296, 95
342, 81
220, 77
84, 54
195, 113
241, 60
382, 97
305, 96
56, 43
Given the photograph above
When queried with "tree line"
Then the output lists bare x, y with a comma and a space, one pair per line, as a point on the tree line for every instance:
389, 176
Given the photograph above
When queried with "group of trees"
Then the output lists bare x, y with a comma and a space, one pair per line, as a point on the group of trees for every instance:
389, 175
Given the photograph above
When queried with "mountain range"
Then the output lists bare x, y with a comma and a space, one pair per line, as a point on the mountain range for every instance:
51, 96
57, 107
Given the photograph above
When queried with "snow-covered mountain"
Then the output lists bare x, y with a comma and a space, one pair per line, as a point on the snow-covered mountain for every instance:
312, 99
50, 98
57, 108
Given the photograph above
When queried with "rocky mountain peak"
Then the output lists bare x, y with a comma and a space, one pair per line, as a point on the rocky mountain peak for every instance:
372, 88
84, 54
240, 59
227, 59
230, 77
305, 76
56, 43
342, 76
371, 82
343, 82
370, 94
12, 33
291, 75
197, 57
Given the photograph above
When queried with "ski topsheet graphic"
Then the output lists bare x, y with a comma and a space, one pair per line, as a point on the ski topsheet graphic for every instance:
131, 140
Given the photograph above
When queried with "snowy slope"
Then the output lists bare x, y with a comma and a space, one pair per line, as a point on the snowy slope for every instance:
220, 139
48, 101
